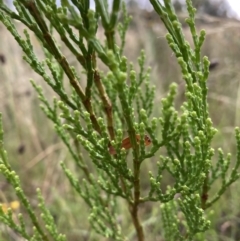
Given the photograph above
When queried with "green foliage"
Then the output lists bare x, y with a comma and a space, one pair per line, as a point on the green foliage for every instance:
92, 121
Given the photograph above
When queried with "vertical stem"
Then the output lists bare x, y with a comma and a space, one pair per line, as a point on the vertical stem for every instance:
106, 103
137, 224
204, 196
134, 207
110, 39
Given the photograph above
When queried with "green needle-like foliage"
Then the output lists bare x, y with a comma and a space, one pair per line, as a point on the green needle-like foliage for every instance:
113, 113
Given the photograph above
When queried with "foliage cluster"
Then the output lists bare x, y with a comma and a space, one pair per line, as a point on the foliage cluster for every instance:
95, 111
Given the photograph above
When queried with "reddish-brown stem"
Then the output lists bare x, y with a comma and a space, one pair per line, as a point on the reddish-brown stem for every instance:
135, 205
106, 103
204, 196
137, 224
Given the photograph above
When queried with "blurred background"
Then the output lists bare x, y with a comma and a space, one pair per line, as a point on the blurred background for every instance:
35, 150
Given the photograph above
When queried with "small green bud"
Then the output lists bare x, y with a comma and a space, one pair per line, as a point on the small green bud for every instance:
183, 67
201, 136
154, 123
95, 135
173, 88
176, 162
202, 36
141, 128
169, 38
136, 126
61, 104
110, 75
76, 114
185, 189
86, 115
177, 25
122, 76
133, 75
194, 115
220, 151
123, 64
141, 59
143, 115
68, 127
100, 121
113, 63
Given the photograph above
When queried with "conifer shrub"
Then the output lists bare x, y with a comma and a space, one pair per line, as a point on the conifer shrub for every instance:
105, 118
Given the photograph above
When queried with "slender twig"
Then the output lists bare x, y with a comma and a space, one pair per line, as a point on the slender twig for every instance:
135, 205
107, 105
31, 6
204, 196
